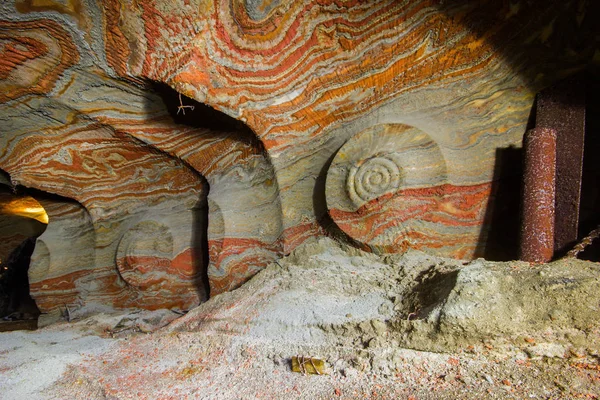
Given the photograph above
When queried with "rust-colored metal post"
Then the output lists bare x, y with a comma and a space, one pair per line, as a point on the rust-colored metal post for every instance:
537, 227
562, 108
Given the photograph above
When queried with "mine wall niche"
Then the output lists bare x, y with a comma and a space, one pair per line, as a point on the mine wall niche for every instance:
182, 164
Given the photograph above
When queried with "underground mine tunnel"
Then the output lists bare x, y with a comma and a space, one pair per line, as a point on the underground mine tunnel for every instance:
23, 220
230, 191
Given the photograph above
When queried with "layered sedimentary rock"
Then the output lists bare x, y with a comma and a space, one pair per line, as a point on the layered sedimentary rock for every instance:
387, 188
383, 119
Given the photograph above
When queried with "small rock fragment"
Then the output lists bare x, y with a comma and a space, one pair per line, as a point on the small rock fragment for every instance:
489, 379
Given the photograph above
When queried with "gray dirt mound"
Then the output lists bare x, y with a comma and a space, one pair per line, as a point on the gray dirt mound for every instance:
387, 327
338, 297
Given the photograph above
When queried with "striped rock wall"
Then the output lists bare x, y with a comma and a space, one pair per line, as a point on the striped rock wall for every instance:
380, 120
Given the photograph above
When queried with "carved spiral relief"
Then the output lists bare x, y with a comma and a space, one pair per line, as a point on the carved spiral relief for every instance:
385, 185
372, 179
144, 254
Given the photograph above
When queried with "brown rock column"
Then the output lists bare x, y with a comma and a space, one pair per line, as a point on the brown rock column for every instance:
537, 228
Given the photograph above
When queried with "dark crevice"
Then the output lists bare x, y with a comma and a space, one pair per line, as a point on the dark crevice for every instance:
17, 303
200, 256
589, 211
204, 117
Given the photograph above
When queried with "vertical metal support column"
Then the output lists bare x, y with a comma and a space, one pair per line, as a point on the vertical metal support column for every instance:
562, 108
537, 227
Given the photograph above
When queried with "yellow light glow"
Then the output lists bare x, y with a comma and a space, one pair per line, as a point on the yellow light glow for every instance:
34, 212
26, 207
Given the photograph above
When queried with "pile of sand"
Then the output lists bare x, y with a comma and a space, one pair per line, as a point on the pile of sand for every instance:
387, 327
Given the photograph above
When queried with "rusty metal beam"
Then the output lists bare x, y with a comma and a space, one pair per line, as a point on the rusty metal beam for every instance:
537, 227
562, 107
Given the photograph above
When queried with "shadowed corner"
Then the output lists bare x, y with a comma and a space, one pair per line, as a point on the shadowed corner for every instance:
499, 240
499, 237
189, 112
200, 257
542, 41
589, 211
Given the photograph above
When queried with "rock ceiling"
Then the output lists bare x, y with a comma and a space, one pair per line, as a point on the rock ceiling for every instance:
379, 120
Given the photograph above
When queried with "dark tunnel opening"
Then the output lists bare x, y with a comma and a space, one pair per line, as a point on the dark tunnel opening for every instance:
22, 220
